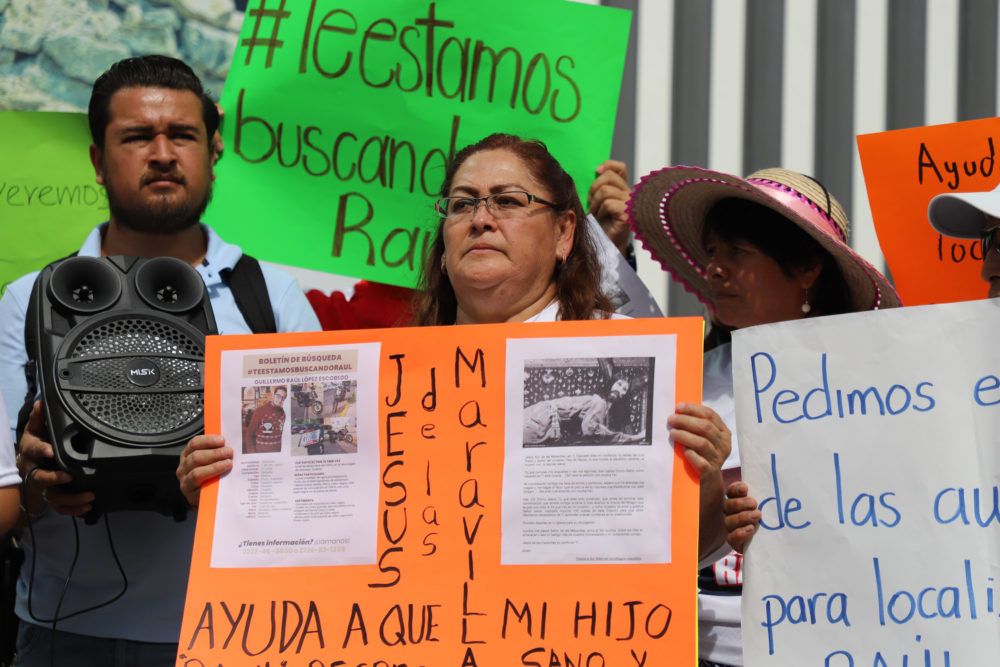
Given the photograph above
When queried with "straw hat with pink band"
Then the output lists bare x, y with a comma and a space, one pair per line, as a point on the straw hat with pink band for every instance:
668, 207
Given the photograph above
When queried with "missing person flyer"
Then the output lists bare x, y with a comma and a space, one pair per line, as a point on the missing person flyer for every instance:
295, 419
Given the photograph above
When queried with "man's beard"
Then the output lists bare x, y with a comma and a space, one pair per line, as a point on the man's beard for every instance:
161, 216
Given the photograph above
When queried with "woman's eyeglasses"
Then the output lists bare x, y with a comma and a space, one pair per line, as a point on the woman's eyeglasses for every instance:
500, 204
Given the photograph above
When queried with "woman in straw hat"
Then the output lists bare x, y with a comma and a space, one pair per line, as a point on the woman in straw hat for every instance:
768, 248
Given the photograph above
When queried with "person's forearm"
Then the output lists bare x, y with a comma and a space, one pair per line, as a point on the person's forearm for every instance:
711, 528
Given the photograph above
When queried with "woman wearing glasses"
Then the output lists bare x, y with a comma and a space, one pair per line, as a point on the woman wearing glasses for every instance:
513, 247
513, 244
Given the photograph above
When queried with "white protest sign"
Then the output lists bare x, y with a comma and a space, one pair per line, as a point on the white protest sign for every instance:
871, 442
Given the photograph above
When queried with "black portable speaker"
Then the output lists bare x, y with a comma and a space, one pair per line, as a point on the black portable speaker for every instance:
120, 344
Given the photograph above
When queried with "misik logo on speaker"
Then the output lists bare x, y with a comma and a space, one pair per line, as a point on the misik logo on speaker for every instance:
142, 373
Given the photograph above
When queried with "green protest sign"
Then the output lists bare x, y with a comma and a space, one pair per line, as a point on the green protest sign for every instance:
49, 200
342, 114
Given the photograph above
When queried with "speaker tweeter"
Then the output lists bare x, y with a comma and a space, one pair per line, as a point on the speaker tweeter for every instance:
169, 284
85, 285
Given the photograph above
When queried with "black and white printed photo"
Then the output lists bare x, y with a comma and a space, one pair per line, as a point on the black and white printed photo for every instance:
587, 401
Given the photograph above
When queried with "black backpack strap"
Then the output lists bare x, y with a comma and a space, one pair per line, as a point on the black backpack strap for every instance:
246, 280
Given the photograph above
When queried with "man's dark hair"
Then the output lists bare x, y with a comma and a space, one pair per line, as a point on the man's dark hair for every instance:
146, 72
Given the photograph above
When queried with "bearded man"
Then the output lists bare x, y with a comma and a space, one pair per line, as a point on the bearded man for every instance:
154, 134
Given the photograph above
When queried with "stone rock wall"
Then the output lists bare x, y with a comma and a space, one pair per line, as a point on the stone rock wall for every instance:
52, 50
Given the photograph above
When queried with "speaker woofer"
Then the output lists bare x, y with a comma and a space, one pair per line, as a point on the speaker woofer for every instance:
85, 285
136, 378
169, 284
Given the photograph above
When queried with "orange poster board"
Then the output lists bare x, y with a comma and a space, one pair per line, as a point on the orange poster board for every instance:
904, 170
436, 593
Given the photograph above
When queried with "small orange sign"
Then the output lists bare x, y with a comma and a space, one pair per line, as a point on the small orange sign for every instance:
904, 170
436, 593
